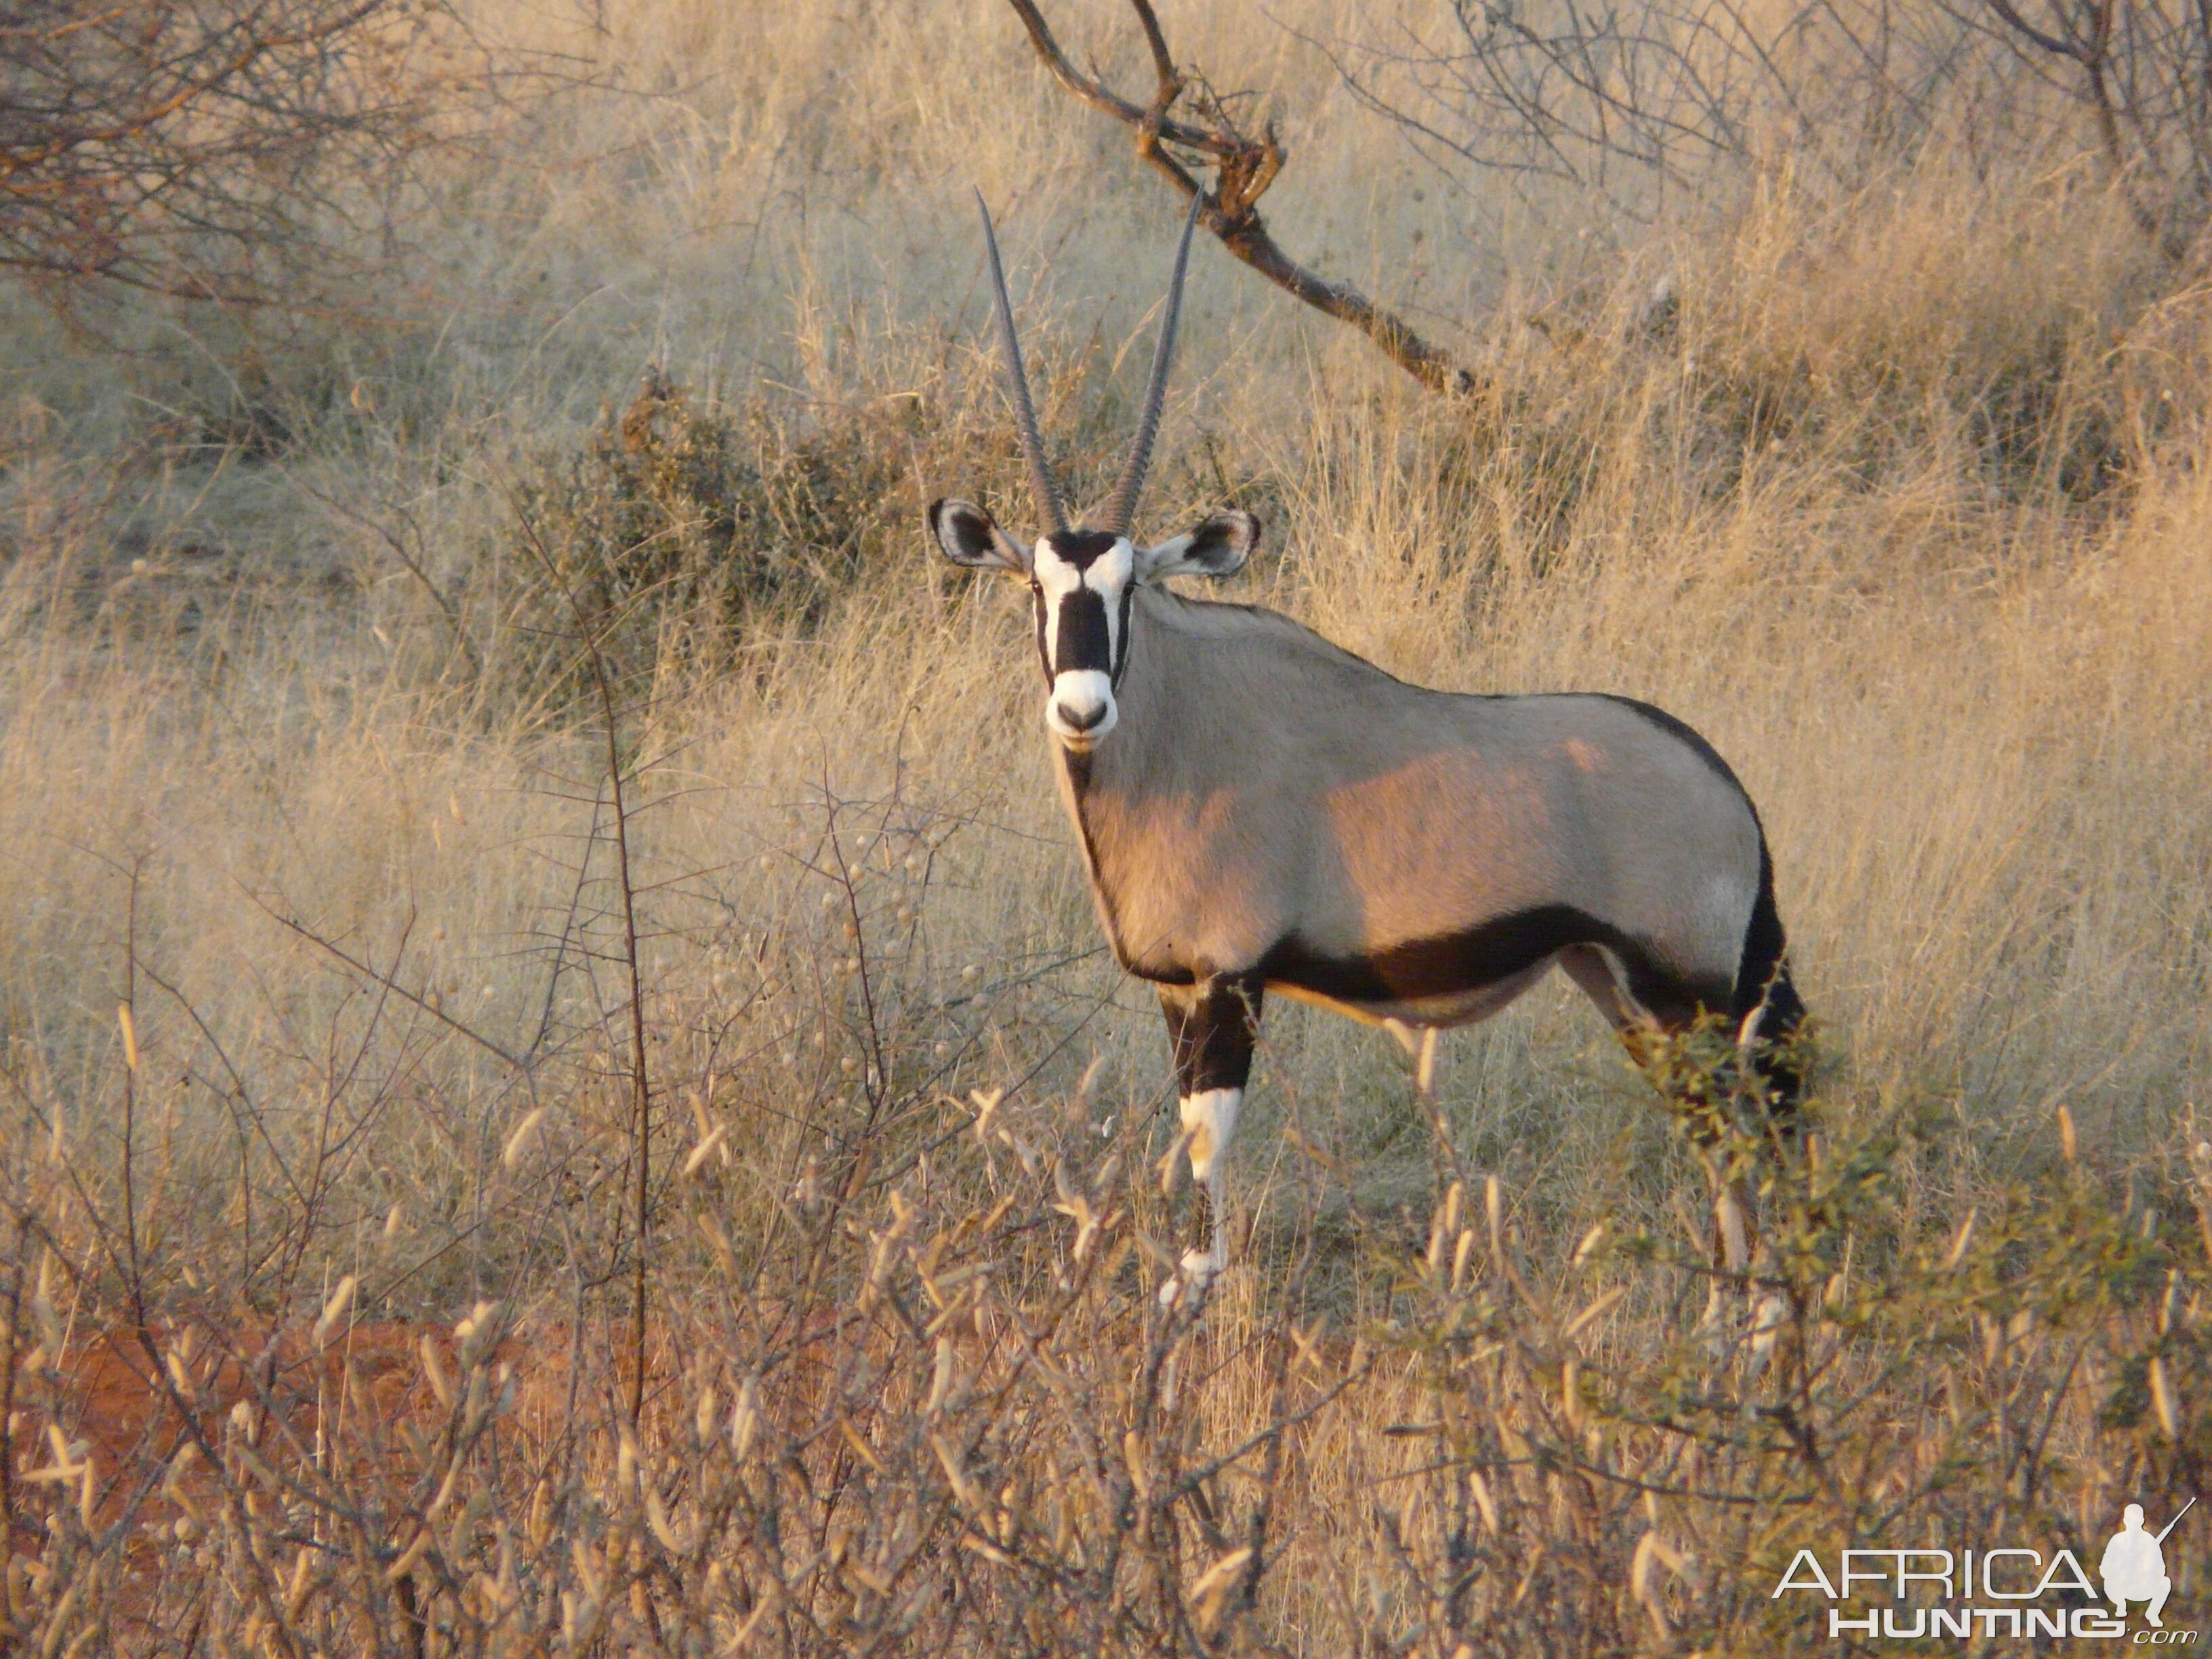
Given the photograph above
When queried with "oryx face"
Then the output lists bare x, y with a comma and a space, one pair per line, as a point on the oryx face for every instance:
1083, 582
1082, 585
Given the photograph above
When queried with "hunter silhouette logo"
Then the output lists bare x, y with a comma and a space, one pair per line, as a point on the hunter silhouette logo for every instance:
1926, 1591
2134, 1567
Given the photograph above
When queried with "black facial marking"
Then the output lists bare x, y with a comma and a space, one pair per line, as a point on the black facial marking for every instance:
1122, 660
1081, 547
1486, 954
1082, 642
1044, 654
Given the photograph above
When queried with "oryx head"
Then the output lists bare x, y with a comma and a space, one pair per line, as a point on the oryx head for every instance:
1082, 582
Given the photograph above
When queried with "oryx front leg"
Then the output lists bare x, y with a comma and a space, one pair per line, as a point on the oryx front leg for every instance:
1213, 1026
1209, 1119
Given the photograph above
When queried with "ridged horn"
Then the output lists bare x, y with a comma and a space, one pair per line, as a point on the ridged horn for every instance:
1018, 383
1121, 506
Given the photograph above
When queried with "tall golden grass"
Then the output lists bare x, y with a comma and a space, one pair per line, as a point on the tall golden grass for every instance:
319, 999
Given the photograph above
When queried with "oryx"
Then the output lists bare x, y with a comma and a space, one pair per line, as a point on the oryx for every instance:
1262, 810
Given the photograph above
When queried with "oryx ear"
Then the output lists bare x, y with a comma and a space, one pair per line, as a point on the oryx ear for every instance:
1217, 548
969, 536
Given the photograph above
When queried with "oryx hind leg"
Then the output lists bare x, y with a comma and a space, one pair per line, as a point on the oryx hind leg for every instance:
1213, 1027
1603, 978
1609, 982
1639, 1006
1767, 1009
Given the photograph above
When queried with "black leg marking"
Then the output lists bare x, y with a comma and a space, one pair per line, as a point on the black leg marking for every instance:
1213, 1027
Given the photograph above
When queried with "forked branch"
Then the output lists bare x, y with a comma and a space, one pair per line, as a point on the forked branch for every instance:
1243, 167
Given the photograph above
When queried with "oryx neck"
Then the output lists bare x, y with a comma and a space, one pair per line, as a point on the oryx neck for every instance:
1207, 689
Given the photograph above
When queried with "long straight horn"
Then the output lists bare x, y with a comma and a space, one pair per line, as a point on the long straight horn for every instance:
1018, 383
1121, 506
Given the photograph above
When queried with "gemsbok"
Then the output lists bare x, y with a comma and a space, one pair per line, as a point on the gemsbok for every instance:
1262, 810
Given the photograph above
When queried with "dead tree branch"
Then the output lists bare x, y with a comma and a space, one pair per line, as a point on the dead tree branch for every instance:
1243, 167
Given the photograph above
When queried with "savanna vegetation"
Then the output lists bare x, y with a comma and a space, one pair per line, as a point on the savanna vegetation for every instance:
562, 1093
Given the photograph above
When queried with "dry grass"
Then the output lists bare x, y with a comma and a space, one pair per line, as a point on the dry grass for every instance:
1903, 502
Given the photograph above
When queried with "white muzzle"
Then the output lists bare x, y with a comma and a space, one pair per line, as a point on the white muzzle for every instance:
1081, 709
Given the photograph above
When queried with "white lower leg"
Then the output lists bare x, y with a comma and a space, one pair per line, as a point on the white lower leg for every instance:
1731, 1256
1736, 1243
1209, 1118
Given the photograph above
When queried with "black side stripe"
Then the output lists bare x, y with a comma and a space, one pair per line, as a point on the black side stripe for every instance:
1486, 954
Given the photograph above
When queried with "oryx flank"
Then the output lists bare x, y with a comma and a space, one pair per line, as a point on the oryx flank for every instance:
1261, 811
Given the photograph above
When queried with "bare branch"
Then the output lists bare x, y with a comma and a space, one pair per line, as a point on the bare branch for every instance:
1636, 100
2143, 77
187, 147
2050, 42
1095, 94
1163, 59
1244, 169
